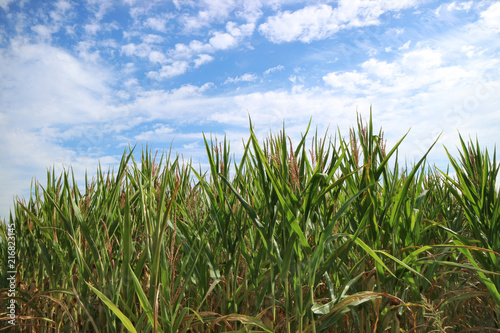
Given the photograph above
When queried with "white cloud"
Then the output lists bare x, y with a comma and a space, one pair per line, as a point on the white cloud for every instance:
167, 71
211, 10
322, 21
157, 57
421, 70
202, 59
5, 4
189, 105
449, 11
243, 30
421, 60
131, 82
274, 69
182, 54
307, 24
182, 50
191, 146
146, 49
348, 81
58, 16
195, 46
182, 103
248, 77
45, 32
158, 24
92, 28
96, 26
123, 94
223, 41
460, 6
405, 46
469, 50
152, 39
87, 51
491, 17
60, 87
251, 10
141, 50
218, 41
160, 133
381, 69
99, 7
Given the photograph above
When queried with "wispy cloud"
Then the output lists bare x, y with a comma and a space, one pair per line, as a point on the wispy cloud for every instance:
321, 21
59, 86
307, 24
274, 69
157, 134
211, 10
157, 23
5, 4
199, 50
168, 71
203, 59
248, 77
491, 17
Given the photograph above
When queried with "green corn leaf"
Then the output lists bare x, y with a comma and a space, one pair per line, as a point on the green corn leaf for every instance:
143, 299
125, 321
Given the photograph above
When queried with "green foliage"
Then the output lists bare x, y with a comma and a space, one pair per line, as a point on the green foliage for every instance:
337, 237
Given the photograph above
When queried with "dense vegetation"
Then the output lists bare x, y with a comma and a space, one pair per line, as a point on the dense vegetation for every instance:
326, 236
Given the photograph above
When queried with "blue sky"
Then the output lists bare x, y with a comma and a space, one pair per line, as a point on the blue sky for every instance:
81, 80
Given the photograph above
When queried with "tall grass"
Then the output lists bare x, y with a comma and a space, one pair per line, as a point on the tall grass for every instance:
332, 237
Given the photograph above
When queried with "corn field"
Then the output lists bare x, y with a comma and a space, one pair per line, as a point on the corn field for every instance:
323, 236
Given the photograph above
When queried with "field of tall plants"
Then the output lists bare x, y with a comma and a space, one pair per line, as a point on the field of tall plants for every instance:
321, 235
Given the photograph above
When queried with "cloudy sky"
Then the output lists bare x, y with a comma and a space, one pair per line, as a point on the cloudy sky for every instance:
81, 80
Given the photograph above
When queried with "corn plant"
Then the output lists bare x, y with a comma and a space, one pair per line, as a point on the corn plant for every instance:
319, 235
